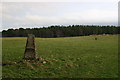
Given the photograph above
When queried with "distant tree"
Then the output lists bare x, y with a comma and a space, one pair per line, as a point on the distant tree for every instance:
62, 31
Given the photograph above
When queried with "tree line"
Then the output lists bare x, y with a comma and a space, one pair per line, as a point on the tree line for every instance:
61, 31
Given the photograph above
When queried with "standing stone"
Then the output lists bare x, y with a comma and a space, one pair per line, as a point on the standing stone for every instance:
30, 53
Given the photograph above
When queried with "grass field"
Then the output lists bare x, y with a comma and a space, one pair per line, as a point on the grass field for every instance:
71, 57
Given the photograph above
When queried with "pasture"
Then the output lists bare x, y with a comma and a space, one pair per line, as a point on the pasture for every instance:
69, 57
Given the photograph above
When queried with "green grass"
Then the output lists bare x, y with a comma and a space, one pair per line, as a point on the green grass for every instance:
71, 57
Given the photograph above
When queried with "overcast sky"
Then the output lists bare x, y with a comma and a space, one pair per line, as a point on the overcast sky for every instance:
43, 13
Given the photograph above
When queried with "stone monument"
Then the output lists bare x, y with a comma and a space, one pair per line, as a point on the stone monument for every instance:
30, 52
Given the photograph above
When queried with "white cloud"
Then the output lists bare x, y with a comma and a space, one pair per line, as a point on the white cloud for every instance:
0, 16
16, 15
98, 1
93, 16
87, 17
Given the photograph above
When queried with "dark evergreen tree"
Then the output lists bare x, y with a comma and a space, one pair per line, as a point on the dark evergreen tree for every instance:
61, 31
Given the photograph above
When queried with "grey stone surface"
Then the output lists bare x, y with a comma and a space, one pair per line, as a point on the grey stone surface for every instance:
30, 52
